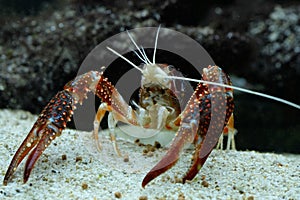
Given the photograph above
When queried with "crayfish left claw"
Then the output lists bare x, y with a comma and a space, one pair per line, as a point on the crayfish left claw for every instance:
199, 159
168, 161
211, 132
198, 162
184, 136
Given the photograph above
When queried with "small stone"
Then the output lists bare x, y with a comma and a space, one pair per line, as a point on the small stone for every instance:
84, 186
145, 151
64, 157
181, 196
162, 198
178, 180
78, 159
152, 148
203, 177
204, 183
157, 145
24, 116
137, 141
118, 195
126, 158
143, 198
150, 154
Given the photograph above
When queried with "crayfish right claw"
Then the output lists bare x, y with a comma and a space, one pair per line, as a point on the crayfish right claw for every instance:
48, 126
48, 135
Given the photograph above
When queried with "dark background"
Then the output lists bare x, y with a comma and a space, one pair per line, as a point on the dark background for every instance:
42, 44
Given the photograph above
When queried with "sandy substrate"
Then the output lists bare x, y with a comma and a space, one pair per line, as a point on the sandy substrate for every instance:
71, 168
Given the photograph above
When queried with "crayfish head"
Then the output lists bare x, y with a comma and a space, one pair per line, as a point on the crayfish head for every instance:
154, 74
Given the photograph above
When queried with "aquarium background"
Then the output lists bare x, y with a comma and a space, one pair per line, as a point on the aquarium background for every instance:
43, 43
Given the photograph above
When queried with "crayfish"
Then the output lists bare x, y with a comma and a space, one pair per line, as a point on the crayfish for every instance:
207, 114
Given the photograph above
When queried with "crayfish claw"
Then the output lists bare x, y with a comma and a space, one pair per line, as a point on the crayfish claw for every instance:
210, 134
167, 162
198, 162
29, 142
183, 137
48, 135
48, 126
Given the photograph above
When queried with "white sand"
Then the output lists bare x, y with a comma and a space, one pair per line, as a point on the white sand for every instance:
229, 174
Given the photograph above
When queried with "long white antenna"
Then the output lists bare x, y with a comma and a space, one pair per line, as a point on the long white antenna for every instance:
155, 46
118, 54
147, 61
236, 88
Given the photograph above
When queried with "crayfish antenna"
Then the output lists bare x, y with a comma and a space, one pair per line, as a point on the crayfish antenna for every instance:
236, 88
144, 53
142, 56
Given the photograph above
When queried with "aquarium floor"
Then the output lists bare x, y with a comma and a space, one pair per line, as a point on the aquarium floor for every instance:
72, 168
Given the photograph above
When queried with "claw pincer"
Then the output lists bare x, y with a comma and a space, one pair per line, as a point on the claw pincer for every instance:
202, 122
48, 126
52, 121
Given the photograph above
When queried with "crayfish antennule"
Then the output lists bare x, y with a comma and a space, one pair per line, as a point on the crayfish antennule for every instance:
121, 56
155, 45
145, 56
146, 60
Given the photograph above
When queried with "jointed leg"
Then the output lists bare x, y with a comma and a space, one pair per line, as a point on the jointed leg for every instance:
111, 125
98, 118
